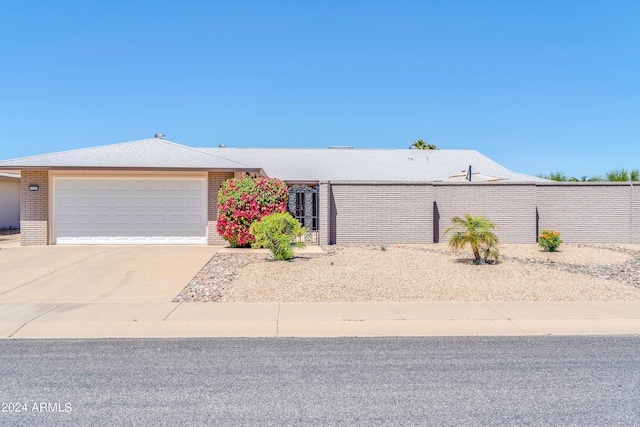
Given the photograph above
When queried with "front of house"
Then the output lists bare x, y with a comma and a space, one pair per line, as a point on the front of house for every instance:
154, 191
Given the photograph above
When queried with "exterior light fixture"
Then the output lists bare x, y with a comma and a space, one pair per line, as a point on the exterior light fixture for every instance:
34, 187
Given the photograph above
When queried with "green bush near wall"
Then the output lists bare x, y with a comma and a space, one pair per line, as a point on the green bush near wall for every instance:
277, 232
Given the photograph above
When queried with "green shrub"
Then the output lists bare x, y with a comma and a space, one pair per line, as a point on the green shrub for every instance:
549, 240
241, 201
276, 232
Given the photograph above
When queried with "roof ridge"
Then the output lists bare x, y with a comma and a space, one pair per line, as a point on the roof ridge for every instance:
333, 149
211, 155
86, 149
117, 144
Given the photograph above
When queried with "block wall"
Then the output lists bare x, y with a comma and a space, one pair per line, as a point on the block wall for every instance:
635, 213
34, 208
510, 206
214, 181
324, 213
586, 213
379, 213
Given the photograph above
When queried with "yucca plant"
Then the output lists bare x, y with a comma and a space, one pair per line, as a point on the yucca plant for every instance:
475, 231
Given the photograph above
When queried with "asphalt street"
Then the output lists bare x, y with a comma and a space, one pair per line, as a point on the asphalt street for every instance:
459, 381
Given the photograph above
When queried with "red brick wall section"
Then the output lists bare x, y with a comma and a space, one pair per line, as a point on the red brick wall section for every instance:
214, 181
34, 209
510, 206
586, 213
635, 213
381, 213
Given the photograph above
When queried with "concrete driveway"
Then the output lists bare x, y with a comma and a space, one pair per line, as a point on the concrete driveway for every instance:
98, 273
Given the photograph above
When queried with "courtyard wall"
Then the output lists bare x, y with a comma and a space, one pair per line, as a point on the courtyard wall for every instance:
371, 212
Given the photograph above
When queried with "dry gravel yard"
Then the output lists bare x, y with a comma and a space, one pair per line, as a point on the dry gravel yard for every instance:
9, 236
424, 273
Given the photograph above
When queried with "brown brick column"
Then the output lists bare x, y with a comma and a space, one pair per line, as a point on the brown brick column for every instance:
214, 181
34, 208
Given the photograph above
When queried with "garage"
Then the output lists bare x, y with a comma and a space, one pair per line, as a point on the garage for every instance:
129, 210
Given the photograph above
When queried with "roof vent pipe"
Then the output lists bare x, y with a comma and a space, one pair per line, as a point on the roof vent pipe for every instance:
222, 146
159, 135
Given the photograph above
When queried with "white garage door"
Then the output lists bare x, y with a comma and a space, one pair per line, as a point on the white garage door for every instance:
136, 211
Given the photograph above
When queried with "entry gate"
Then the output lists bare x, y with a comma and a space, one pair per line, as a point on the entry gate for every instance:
303, 206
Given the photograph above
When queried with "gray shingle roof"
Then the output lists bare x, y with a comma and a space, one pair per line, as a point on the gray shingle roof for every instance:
288, 164
146, 153
309, 164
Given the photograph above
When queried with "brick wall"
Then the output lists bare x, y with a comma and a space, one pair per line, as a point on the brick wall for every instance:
380, 213
34, 209
214, 181
324, 213
510, 206
635, 213
383, 212
586, 213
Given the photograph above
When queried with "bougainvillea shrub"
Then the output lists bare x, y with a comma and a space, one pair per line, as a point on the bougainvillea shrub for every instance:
241, 201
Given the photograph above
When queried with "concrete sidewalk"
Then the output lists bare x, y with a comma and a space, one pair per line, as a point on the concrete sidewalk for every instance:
172, 320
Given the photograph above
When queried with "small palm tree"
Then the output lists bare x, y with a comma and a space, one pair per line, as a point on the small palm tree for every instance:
620, 175
421, 145
475, 231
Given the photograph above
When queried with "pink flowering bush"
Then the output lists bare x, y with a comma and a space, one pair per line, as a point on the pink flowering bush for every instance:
241, 201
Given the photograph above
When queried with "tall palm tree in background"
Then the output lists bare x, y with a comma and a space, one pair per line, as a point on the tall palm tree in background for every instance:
421, 145
475, 231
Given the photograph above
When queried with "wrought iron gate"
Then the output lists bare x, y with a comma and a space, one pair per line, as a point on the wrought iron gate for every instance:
303, 206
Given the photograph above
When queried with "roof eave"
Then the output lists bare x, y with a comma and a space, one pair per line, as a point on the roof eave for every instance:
132, 168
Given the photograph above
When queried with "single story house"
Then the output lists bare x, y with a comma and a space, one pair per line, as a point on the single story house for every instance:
154, 191
9, 200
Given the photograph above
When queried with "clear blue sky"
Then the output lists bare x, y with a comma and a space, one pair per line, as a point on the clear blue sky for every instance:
538, 86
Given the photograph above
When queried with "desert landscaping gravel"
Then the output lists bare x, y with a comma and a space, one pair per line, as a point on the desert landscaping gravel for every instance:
423, 273
9, 236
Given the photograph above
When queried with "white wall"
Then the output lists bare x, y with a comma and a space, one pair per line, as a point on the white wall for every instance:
9, 202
